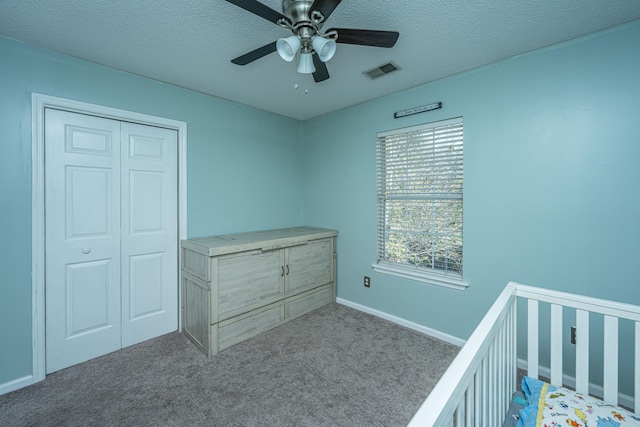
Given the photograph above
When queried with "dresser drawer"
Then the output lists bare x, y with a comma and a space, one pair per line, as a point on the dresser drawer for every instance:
248, 326
308, 302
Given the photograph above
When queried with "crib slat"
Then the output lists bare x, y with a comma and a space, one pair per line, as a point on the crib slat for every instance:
484, 414
582, 351
610, 360
478, 399
513, 378
499, 372
470, 409
460, 417
556, 344
491, 380
514, 347
509, 379
506, 369
498, 389
532, 338
636, 388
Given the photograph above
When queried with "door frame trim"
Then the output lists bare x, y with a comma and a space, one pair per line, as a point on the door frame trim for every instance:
39, 103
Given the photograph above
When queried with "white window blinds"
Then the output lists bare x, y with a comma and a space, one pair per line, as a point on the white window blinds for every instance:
419, 186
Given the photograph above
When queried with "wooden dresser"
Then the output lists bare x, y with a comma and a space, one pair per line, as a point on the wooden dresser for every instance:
239, 285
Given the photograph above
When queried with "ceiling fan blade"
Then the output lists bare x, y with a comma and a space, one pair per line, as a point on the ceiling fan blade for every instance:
325, 7
321, 74
259, 9
255, 54
366, 37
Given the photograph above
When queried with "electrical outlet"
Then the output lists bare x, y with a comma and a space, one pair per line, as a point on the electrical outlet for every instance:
367, 282
573, 335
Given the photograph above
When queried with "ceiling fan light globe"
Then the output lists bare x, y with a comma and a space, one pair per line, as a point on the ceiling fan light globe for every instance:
324, 47
287, 47
305, 65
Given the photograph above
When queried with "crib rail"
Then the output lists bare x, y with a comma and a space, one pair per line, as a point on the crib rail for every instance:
476, 389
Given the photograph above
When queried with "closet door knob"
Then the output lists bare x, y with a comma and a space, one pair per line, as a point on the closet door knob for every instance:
86, 250
282, 274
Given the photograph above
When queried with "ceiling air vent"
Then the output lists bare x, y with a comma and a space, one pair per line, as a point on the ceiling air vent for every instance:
380, 71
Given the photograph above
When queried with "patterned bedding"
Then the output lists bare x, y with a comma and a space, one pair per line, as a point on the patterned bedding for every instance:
549, 406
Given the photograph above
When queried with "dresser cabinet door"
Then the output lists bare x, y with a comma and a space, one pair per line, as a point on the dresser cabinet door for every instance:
249, 280
309, 266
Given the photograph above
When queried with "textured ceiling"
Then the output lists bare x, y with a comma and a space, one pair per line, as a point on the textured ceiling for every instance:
190, 43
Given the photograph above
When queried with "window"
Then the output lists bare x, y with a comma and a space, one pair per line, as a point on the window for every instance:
419, 186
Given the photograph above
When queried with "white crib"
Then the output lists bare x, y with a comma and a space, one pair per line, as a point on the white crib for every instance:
477, 387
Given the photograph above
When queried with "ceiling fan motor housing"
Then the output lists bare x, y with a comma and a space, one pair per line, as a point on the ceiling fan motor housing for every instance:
297, 11
303, 25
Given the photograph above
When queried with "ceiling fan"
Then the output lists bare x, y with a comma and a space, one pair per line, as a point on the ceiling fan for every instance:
305, 19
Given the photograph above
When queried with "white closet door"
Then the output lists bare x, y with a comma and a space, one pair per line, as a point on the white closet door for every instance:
149, 232
82, 202
111, 235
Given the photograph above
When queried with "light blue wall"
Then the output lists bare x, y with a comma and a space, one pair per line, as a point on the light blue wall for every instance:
551, 181
244, 166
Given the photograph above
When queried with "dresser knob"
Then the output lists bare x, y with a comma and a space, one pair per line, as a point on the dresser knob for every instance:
86, 250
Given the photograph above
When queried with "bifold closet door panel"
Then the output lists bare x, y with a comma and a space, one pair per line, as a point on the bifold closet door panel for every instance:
82, 234
149, 232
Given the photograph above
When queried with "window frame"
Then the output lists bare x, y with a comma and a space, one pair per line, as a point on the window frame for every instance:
433, 276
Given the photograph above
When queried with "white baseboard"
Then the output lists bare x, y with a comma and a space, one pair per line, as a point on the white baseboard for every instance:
403, 322
16, 384
570, 381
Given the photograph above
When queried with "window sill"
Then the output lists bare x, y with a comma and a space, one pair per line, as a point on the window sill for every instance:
452, 281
